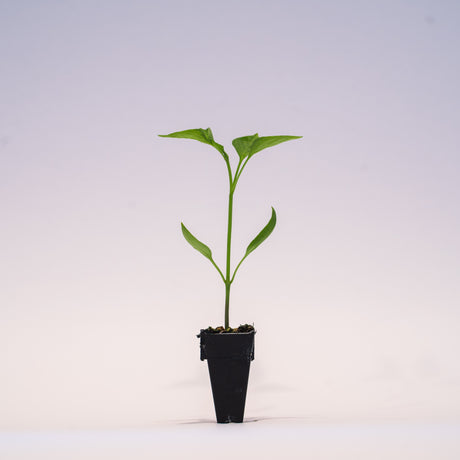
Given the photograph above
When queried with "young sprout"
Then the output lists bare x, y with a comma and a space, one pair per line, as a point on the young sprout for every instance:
246, 147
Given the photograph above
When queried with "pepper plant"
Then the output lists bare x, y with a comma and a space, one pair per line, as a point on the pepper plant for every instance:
246, 147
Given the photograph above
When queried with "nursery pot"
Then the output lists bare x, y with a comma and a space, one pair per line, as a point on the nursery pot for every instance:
229, 357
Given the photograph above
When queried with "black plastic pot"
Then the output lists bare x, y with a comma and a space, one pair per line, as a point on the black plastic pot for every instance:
229, 357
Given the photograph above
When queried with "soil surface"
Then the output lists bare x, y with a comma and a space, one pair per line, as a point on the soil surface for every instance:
229, 330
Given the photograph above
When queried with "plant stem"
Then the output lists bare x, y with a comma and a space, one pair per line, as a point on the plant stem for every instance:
229, 245
227, 304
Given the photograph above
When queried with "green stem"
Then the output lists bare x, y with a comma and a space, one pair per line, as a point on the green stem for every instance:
227, 304
237, 267
238, 172
229, 245
218, 269
228, 278
233, 184
229, 170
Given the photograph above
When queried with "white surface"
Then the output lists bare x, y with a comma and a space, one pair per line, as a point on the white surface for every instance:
355, 296
267, 439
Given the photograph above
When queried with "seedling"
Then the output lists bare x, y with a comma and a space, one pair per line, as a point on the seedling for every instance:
246, 147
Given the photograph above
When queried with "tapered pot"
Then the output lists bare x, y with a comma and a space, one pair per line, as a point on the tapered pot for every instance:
229, 357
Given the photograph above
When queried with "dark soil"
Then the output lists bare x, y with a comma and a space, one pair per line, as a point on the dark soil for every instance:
229, 330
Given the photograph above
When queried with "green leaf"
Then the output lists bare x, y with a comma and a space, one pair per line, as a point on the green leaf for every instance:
202, 135
243, 145
257, 241
247, 146
263, 235
198, 245
270, 141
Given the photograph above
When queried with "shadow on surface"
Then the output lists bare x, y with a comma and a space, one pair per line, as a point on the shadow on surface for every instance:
246, 420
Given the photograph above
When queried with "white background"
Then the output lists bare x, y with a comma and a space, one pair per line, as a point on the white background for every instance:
355, 296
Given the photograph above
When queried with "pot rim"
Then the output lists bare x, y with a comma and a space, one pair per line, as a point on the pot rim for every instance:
204, 332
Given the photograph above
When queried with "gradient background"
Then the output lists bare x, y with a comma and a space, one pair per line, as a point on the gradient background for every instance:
356, 294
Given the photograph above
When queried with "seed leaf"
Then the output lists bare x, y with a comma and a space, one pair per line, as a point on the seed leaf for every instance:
202, 135
263, 235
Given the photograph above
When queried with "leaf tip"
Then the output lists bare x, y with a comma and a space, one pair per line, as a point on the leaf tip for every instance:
274, 216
